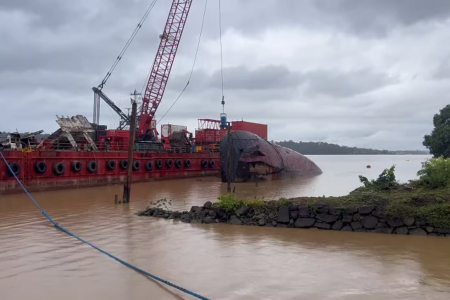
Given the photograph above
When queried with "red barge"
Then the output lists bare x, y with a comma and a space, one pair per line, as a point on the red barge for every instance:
82, 154
76, 156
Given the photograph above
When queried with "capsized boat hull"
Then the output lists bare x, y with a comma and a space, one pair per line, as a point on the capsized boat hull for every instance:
253, 158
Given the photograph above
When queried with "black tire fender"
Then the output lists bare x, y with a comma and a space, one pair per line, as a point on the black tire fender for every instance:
136, 165
76, 166
92, 166
40, 167
15, 168
59, 168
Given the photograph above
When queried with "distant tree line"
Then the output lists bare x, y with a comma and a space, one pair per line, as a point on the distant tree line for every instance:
438, 141
322, 148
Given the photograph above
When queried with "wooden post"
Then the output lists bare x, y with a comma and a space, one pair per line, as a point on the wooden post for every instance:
229, 161
127, 186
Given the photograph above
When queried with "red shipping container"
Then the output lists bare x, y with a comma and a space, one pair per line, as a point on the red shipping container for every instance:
256, 128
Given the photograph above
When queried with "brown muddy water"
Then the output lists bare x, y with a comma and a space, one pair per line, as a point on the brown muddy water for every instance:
217, 261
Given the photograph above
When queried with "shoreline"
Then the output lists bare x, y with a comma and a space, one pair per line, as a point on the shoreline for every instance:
288, 213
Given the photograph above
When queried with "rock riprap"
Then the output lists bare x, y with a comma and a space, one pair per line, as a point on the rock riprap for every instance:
365, 218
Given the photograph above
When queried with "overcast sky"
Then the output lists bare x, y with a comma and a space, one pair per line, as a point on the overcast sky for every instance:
358, 73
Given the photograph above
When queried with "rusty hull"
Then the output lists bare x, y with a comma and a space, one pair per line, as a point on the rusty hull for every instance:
253, 158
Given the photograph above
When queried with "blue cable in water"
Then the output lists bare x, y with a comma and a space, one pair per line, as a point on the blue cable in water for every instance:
95, 247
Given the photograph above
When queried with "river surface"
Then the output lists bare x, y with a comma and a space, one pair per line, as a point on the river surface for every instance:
217, 261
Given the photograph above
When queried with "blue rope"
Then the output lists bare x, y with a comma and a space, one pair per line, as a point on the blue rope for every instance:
97, 248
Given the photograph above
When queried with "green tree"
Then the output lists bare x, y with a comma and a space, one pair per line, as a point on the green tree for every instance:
438, 142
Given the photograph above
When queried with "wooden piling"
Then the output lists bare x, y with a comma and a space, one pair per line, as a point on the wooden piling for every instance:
127, 186
229, 161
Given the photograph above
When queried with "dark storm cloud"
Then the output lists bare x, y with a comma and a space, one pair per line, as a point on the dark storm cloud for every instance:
310, 69
380, 16
362, 17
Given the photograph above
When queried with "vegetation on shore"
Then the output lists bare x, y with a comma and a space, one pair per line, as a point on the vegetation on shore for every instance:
322, 148
438, 142
427, 198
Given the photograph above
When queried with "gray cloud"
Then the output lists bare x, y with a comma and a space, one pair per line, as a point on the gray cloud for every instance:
443, 70
345, 84
362, 73
275, 81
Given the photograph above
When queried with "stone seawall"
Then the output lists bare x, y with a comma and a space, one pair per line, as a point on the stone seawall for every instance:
367, 218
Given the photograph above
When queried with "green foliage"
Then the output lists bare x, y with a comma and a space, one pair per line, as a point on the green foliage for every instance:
435, 173
229, 202
255, 203
437, 214
162, 204
439, 140
283, 201
385, 181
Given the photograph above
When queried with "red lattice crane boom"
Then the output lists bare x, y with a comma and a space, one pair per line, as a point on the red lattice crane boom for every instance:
159, 75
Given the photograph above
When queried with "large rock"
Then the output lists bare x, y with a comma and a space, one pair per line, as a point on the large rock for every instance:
356, 217
401, 230
212, 214
441, 230
347, 219
322, 225
417, 231
283, 215
366, 210
207, 205
234, 220
194, 209
322, 210
304, 212
338, 225
202, 214
221, 212
346, 228
356, 225
294, 214
209, 220
243, 210
334, 211
327, 218
409, 221
380, 230
377, 214
304, 222
369, 222
395, 223
262, 222
350, 211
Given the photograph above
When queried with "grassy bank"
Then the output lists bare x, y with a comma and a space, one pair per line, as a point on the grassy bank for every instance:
427, 198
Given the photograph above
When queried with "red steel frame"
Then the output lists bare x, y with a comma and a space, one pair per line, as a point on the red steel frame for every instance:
163, 63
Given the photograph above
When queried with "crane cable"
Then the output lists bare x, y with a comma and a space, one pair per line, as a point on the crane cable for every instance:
139, 25
193, 65
221, 55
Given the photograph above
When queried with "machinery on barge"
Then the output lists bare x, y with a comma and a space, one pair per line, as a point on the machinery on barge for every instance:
82, 153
